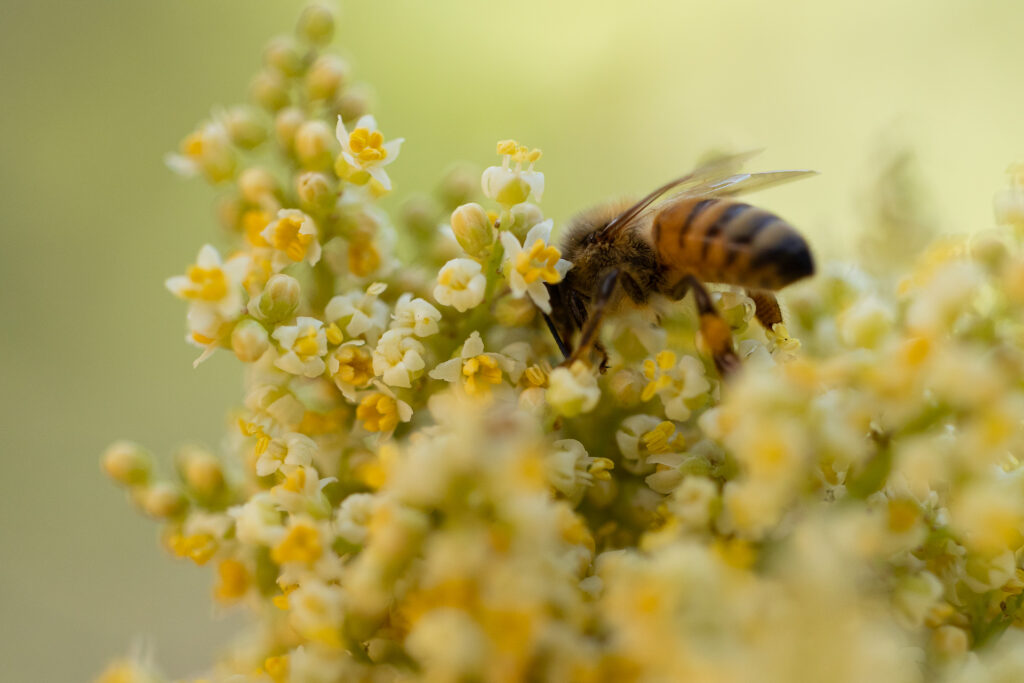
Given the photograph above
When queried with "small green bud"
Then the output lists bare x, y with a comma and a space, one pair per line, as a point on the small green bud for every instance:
353, 104
523, 216
249, 340
315, 145
200, 470
316, 25
420, 215
127, 463
286, 125
326, 77
161, 500
316, 191
257, 184
244, 128
270, 90
459, 186
473, 229
512, 312
279, 299
283, 55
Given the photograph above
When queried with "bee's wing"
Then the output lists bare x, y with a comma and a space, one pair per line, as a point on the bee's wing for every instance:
716, 178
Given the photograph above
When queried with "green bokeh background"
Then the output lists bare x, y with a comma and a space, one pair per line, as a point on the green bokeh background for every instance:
620, 96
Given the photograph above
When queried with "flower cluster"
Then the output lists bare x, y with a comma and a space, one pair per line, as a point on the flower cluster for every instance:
415, 489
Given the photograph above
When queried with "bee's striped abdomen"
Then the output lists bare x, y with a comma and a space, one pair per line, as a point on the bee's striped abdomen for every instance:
722, 240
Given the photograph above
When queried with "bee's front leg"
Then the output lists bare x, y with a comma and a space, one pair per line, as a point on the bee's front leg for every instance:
592, 325
714, 329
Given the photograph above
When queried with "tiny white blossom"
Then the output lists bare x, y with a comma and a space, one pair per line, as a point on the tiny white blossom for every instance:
416, 316
530, 265
304, 345
460, 284
362, 314
293, 237
398, 358
364, 149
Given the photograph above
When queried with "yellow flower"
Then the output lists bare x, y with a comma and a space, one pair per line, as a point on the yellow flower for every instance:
364, 151
351, 367
293, 237
381, 411
478, 370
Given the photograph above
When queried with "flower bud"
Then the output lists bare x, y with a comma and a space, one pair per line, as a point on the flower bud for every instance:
326, 77
473, 229
459, 186
244, 128
200, 470
279, 299
419, 213
522, 217
256, 184
353, 104
161, 500
269, 90
510, 311
316, 25
127, 463
573, 390
284, 56
286, 125
950, 642
249, 340
314, 145
229, 212
316, 192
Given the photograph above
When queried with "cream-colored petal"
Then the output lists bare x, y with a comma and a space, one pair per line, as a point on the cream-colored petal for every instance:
449, 371
473, 346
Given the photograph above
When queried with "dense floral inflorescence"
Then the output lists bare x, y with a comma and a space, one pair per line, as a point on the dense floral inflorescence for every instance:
413, 492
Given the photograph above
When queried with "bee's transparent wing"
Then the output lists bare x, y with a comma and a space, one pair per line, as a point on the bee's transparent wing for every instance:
719, 177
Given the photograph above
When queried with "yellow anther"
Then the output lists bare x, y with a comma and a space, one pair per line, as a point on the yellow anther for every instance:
355, 366
208, 284
334, 334
233, 581
301, 544
665, 359
192, 145
287, 238
363, 257
253, 223
367, 145
654, 386
599, 469
657, 440
534, 155
481, 371
539, 263
536, 376
378, 412
202, 339
307, 345
295, 481
507, 146
277, 667
281, 601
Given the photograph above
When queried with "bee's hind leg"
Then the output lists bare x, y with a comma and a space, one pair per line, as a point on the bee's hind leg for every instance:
714, 329
588, 335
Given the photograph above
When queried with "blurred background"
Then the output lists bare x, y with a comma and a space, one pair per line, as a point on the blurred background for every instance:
620, 96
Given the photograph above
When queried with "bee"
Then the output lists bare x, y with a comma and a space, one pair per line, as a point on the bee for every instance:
626, 255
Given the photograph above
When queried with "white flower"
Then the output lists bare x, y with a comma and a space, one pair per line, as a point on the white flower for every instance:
257, 521
460, 284
293, 237
211, 283
364, 149
398, 358
480, 370
511, 186
208, 151
530, 265
679, 385
573, 390
571, 471
354, 515
363, 315
416, 316
304, 345
291, 450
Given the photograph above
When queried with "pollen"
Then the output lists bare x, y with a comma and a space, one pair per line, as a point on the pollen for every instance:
378, 412
355, 366
367, 145
480, 372
302, 544
334, 334
539, 263
287, 238
206, 284
306, 345
233, 581
657, 440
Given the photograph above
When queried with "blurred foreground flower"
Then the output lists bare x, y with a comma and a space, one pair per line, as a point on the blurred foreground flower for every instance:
414, 493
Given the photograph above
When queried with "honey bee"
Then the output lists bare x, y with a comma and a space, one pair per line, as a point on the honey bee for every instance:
625, 255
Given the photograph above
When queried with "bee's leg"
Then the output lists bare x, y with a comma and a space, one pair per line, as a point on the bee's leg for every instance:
714, 329
558, 338
588, 337
766, 309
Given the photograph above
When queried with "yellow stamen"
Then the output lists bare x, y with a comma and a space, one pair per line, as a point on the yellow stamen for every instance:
233, 581
253, 223
481, 371
506, 147
367, 146
334, 334
302, 544
307, 345
355, 366
207, 284
378, 412
656, 440
287, 238
277, 668
539, 263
